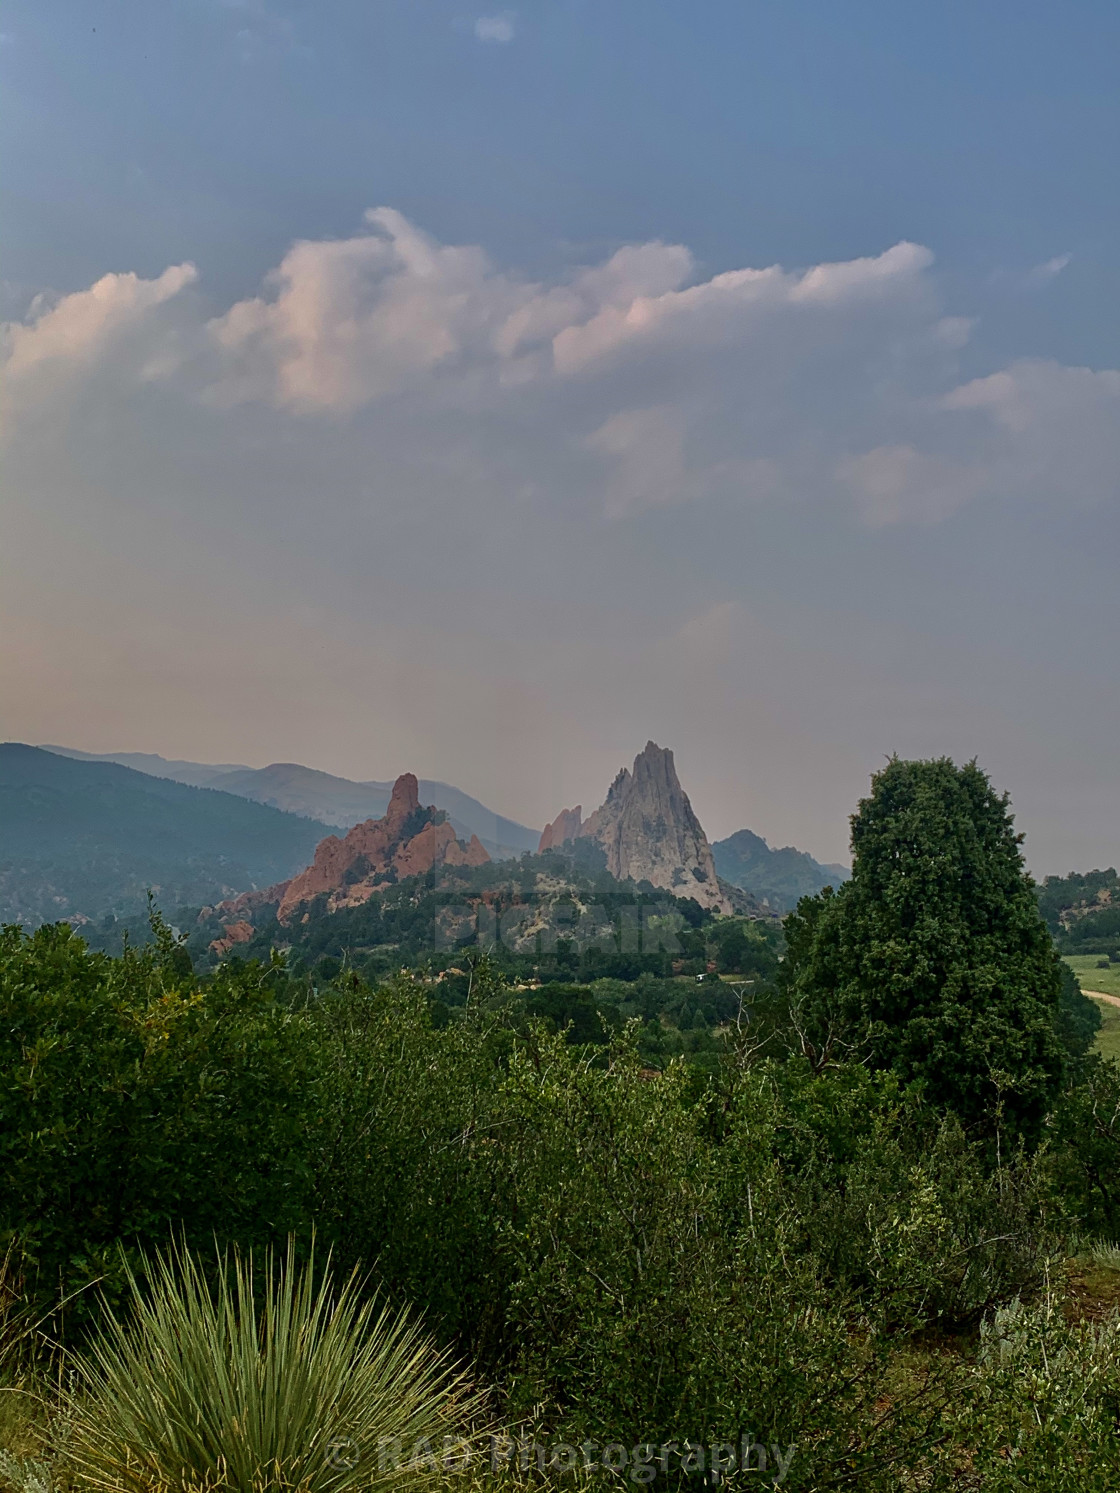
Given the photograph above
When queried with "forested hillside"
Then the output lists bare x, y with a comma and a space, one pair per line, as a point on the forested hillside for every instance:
1082, 911
333, 800
779, 877
83, 840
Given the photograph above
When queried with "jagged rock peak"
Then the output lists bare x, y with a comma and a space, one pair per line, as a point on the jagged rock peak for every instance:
566, 826
404, 800
648, 829
372, 854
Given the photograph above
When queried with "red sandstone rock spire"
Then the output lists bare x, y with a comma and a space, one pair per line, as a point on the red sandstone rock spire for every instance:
373, 848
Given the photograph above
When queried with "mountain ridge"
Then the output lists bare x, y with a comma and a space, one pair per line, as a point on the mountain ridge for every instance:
84, 840
336, 801
779, 877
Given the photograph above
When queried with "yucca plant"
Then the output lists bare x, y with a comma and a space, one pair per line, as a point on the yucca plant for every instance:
290, 1385
1106, 1253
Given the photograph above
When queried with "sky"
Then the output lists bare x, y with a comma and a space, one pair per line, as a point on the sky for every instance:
397, 385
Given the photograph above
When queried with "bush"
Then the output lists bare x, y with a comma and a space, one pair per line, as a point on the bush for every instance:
133, 1103
1039, 1407
1085, 1130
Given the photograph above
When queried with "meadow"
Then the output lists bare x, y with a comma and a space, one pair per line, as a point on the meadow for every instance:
1090, 974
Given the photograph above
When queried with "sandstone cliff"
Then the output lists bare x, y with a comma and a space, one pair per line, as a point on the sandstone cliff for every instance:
408, 841
566, 826
649, 832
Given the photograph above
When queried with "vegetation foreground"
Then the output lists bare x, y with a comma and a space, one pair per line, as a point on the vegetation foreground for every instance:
258, 1228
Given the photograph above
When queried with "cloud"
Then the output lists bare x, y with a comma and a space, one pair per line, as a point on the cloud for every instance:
628, 386
498, 28
1050, 269
78, 329
894, 483
1037, 277
262, 29
645, 449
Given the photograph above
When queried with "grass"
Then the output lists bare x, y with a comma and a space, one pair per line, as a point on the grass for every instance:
1108, 1037
1085, 968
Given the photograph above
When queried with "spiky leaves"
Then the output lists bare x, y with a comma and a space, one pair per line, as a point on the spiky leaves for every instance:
266, 1378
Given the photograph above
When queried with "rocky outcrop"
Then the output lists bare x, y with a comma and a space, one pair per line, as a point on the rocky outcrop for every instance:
649, 832
407, 841
566, 826
247, 903
233, 933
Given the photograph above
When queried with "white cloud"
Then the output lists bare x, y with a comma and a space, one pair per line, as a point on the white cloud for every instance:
498, 28
78, 328
630, 385
1037, 277
1050, 269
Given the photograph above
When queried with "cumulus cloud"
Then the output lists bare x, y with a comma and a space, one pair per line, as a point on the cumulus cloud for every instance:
646, 452
634, 384
78, 329
498, 28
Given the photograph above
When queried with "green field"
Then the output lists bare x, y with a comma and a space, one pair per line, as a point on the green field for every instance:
1084, 966
1108, 1038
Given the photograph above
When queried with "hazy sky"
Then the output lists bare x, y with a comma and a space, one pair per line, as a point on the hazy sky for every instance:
397, 384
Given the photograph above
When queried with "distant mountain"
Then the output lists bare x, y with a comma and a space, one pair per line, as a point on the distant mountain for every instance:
778, 877
82, 840
197, 774
649, 832
341, 802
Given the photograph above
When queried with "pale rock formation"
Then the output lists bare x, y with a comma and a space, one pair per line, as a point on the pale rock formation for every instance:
648, 829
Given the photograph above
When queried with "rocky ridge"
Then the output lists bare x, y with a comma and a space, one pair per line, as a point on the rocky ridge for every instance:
407, 841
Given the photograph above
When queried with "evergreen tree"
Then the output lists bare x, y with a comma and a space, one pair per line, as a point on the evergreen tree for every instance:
933, 960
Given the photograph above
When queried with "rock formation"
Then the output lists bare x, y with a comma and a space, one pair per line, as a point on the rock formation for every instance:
233, 933
408, 841
566, 826
649, 832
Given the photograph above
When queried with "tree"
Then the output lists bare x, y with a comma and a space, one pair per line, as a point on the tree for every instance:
933, 960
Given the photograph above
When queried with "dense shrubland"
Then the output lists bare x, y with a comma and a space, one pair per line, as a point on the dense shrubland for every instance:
810, 1236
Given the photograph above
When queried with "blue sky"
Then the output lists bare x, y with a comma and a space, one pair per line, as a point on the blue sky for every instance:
788, 525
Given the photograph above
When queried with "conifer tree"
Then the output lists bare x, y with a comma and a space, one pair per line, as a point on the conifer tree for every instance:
933, 960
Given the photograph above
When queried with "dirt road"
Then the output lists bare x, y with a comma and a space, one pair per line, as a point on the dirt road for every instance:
1099, 995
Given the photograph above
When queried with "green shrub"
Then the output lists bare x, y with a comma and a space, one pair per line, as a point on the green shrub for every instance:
1040, 1406
134, 1103
1085, 1130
